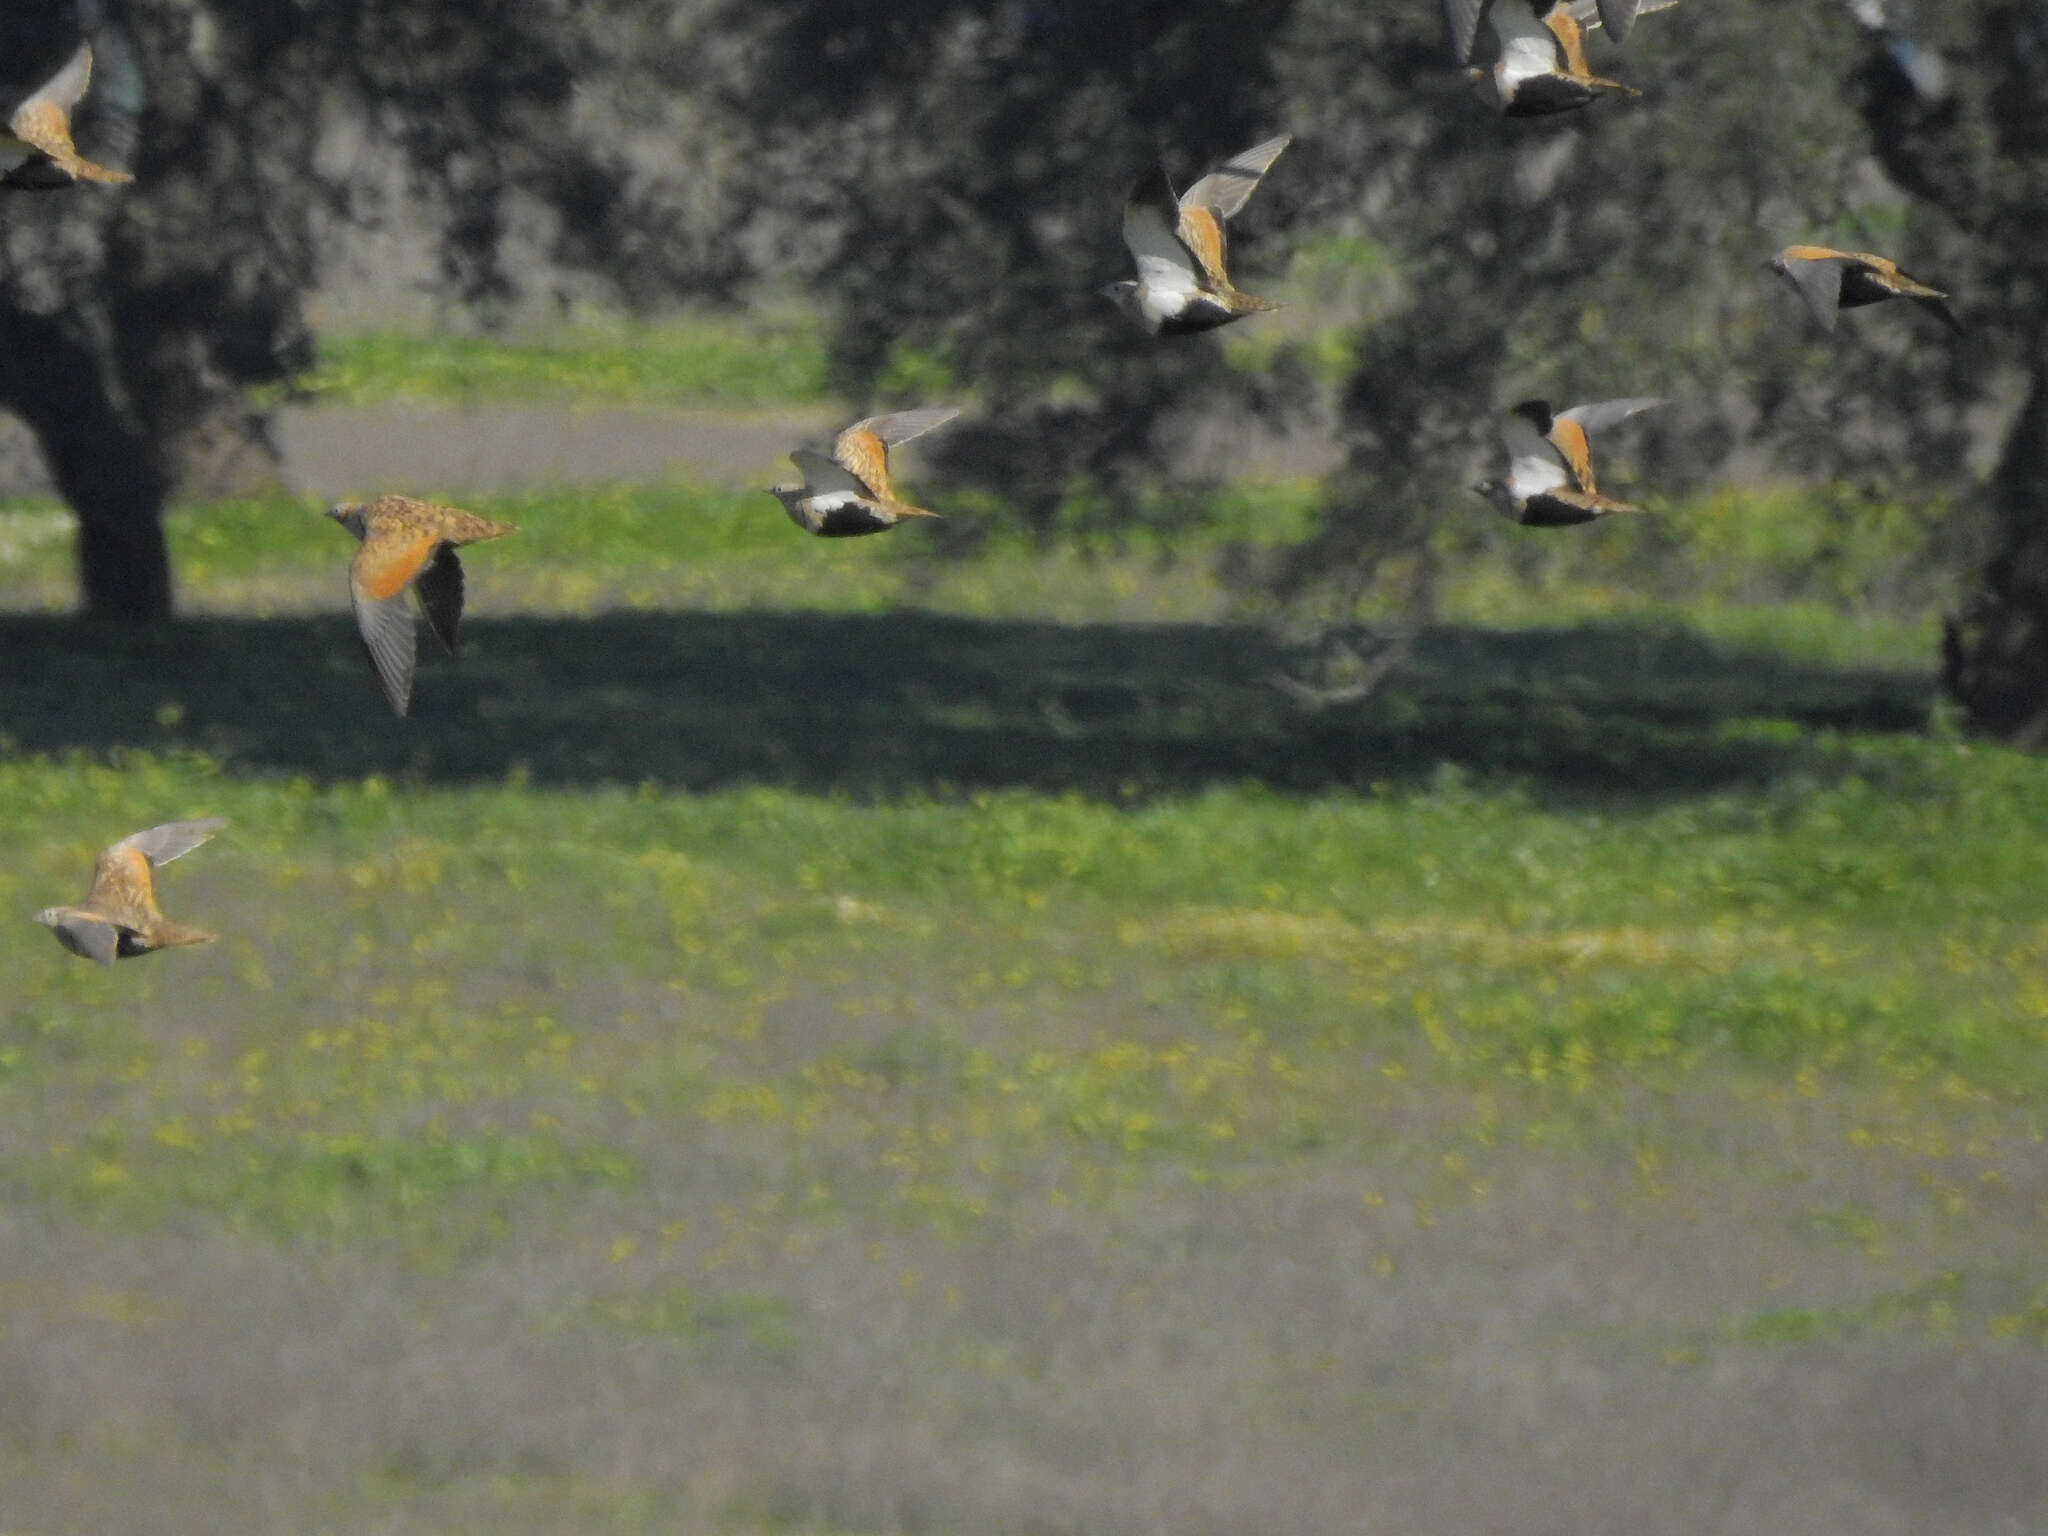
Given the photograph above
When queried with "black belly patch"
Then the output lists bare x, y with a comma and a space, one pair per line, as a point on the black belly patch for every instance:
1201, 313
1550, 512
850, 521
1541, 95
1859, 287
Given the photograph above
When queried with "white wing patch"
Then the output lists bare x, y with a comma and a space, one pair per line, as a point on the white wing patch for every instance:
1534, 464
1527, 47
827, 482
1165, 266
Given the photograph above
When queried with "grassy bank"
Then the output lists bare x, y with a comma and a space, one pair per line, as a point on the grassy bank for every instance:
964, 1113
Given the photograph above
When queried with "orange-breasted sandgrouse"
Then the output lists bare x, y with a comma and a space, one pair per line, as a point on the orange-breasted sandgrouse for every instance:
1540, 63
407, 543
849, 494
1183, 283
1462, 18
1830, 280
119, 918
1550, 481
36, 152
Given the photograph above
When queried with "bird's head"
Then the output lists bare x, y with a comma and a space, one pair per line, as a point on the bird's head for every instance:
50, 917
1497, 493
350, 515
1487, 84
1124, 296
795, 503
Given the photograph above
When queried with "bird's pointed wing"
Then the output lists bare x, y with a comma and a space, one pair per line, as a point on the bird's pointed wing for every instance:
1227, 188
439, 585
1818, 281
1461, 20
172, 840
902, 426
1534, 463
61, 92
1151, 215
1617, 16
823, 476
387, 626
1599, 415
1201, 231
43, 122
863, 448
90, 937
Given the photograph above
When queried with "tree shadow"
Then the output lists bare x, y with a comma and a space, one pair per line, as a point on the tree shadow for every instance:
909, 703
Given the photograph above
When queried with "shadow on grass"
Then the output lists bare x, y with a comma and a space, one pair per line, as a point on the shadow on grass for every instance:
908, 703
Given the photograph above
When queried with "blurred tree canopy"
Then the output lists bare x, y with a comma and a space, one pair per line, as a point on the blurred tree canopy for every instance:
132, 320
945, 175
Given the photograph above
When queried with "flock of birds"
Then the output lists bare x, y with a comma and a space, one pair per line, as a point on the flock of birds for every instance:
1535, 64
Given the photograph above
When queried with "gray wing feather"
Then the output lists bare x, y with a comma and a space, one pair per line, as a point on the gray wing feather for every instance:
902, 426
1819, 283
389, 637
1602, 414
172, 840
823, 475
1461, 20
1231, 184
67, 86
439, 585
91, 938
1617, 16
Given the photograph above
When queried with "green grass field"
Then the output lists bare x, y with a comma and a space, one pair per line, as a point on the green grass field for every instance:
701, 360
800, 1037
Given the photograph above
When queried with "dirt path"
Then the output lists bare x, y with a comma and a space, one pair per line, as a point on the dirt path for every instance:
331, 451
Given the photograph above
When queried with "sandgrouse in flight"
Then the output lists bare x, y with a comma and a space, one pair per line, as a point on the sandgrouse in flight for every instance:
1540, 66
849, 493
119, 917
36, 152
407, 543
1550, 481
1830, 281
1183, 283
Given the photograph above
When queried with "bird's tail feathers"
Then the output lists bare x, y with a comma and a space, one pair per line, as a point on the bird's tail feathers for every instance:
178, 935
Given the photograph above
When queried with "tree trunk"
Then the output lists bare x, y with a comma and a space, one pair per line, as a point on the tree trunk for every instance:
104, 463
1995, 651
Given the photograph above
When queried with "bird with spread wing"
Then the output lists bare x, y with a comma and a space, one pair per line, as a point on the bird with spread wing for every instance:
849, 493
36, 152
407, 543
119, 918
1539, 65
1550, 482
1177, 240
